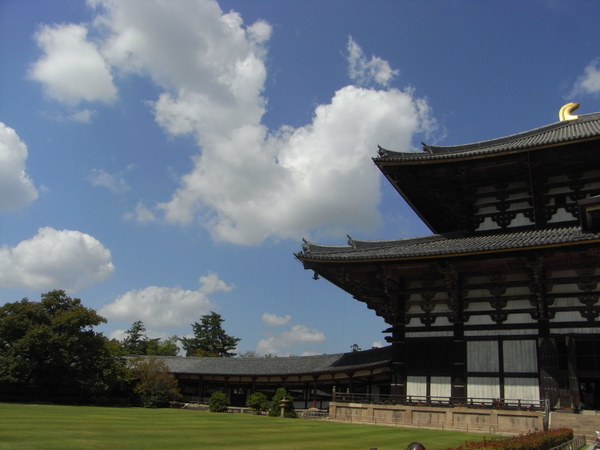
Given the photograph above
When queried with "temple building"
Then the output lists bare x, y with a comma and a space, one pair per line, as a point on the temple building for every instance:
502, 300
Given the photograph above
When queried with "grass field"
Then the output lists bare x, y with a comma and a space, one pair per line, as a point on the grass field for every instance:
27, 426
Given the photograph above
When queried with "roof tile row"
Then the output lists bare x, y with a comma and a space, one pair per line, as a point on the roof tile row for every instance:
286, 366
585, 127
446, 244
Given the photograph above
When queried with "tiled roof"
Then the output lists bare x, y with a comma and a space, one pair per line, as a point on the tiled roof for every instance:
445, 244
585, 127
292, 365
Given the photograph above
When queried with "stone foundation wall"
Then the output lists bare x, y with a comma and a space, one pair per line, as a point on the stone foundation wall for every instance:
493, 421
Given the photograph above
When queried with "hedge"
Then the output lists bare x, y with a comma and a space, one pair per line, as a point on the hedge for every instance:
542, 440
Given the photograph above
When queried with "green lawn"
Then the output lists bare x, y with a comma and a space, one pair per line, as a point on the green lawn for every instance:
26, 426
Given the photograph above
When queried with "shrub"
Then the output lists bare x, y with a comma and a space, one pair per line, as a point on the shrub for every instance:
218, 402
534, 441
155, 384
275, 409
258, 402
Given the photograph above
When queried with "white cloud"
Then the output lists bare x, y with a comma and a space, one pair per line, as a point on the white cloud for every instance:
367, 72
249, 183
16, 188
377, 344
141, 214
82, 115
281, 343
589, 82
165, 307
54, 259
112, 181
72, 69
272, 320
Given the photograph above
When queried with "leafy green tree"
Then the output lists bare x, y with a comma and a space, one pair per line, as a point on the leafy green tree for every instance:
258, 402
218, 402
163, 347
280, 396
210, 339
136, 342
155, 385
51, 345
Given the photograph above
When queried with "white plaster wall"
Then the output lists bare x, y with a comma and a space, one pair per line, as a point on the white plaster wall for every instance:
482, 356
416, 386
520, 356
441, 387
500, 332
483, 387
523, 389
519, 318
568, 316
484, 319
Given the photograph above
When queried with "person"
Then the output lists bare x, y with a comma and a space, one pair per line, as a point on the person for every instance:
415, 446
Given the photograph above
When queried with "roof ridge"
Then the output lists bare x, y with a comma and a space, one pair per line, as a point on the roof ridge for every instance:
579, 128
538, 130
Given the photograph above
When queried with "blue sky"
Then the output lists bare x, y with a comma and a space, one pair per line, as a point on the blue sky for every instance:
161, 160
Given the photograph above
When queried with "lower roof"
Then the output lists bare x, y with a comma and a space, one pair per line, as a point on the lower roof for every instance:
438, 245
279, 366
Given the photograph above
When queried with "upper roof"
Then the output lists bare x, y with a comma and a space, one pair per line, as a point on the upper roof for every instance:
586, 126
440, 245
284, 366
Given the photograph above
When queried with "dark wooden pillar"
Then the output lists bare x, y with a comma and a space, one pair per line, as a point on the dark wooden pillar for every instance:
548, 367
398, 385
538, 288
456, 292
393, 309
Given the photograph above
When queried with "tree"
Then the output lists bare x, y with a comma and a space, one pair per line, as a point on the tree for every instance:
156, 386
355, 348
163, 347
218, 402
136, 342
280, 396
248, 354
209, 338
51, 345
258, 402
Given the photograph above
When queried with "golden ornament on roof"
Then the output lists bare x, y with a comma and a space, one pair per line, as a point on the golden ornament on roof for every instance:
565, 111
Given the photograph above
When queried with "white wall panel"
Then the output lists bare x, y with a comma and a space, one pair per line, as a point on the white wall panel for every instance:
520, 356
568, 316
421, 334
561, 216
522, 388
570, 302
519, 318
500, 332
481, 320
483, 387
482, 356
441, 387
479, 306
416, 386
566, 288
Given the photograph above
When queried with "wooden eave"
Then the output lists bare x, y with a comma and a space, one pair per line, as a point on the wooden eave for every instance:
477, 156
308, 260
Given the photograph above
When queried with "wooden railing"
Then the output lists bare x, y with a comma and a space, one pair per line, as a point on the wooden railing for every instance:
415, 400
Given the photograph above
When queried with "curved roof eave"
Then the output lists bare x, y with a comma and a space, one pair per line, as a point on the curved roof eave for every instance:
585, 127
456, 245
277, 367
